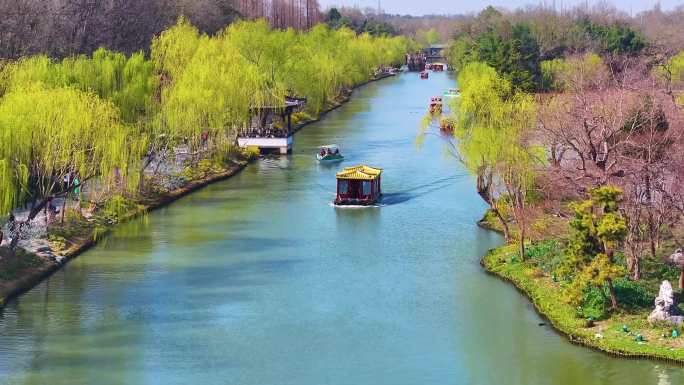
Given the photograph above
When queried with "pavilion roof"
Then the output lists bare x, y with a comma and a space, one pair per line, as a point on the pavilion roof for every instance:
360, 172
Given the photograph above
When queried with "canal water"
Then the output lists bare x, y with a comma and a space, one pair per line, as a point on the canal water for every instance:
258, 280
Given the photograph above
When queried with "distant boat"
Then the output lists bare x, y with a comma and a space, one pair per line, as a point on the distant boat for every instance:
452, 93
435, 105
329, 153
446, 125
424, 75
358, 185
438, 67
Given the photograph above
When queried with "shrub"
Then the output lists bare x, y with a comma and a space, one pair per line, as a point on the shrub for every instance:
594, 304
547, 255
632, 294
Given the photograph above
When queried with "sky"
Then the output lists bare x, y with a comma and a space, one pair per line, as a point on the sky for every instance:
418, 7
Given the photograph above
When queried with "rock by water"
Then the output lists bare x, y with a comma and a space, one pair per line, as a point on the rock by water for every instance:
665, 308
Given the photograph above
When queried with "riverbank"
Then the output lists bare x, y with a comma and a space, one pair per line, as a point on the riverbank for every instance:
606, 335
20, 273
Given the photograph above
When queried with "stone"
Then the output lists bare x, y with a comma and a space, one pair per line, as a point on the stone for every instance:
665, 308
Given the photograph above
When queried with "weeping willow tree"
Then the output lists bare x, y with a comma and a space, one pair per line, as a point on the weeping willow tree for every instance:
92, 115
210, 91
128, 82
48, 135
213, 84
317, 64
492, 125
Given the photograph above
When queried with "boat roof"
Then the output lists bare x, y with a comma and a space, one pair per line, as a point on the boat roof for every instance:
359, 172
330, 146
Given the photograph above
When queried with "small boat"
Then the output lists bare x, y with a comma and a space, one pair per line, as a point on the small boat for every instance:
446, 125
424, 75
358, 185
452, 93
329, 153
435, 105
438, 67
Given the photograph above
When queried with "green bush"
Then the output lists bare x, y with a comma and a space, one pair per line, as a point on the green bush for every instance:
633, 294
546, 255
594, 304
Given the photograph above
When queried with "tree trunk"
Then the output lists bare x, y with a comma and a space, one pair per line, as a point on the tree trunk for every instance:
651, 226
504, 225
681, 279
521, 242
613, 297
64, 203
636, 268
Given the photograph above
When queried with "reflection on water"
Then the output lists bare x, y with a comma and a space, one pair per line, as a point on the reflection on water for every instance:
257, 280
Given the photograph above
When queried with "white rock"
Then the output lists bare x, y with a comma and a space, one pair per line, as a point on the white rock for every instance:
665, 309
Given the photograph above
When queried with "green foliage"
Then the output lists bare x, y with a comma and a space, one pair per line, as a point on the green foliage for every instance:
676, 68
673, 72
551, 71
492, 122
510, 49
128, 82
547, 255
614, 38
46, 134
426, 38
598, 228
634, 294
335, 20
118, 208
14, 262
594, 304
98, 116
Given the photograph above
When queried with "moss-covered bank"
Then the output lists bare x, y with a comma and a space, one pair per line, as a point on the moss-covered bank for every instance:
605, 335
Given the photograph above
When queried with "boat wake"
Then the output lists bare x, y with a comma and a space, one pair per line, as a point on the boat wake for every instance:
332, 204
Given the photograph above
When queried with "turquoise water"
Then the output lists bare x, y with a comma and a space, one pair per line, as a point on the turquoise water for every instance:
258, 280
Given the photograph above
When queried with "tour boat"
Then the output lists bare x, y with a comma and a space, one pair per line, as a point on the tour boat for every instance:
329, 154
446, 125
358, 185
438, 67
424, 75
452, 93
435, 105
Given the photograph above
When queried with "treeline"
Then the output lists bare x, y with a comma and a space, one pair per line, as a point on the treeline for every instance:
517, 46
62, 28
358, 21
298, 14
108, 116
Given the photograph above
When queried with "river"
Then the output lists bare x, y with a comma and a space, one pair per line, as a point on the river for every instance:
258, 280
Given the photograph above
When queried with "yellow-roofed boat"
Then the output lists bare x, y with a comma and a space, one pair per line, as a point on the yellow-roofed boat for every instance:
358, 185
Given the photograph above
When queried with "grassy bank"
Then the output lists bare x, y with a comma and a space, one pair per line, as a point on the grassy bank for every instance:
22, 271
607, 334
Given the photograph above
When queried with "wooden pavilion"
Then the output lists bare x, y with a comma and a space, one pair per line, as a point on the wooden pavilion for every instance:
358, 185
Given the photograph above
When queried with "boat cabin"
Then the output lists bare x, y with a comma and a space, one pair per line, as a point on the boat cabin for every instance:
358, 185
436, 105
437, 67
